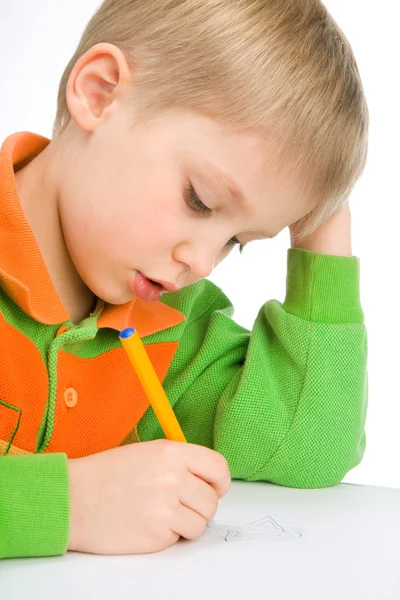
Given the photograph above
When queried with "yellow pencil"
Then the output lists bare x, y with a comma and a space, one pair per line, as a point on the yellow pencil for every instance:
151, 384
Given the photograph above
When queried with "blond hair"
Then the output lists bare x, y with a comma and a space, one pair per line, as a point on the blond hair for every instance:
279, 66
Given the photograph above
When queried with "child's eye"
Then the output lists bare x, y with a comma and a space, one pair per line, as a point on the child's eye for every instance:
199, 206
196, 203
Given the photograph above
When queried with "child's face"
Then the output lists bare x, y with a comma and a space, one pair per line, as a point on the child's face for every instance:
124, 206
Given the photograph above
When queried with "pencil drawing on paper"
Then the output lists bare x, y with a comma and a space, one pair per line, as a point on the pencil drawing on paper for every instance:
263, 528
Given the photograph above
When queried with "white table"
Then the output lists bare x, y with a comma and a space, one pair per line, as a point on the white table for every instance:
266, 541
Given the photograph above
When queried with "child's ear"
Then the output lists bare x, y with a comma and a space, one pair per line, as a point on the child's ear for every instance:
97, 79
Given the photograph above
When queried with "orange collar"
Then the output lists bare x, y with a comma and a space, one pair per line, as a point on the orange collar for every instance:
23, 272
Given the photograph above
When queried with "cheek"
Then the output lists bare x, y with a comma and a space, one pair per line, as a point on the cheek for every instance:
96, 229
157, 218
116, 212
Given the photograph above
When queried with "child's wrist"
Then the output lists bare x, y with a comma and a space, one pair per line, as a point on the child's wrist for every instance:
74, 527
332, 237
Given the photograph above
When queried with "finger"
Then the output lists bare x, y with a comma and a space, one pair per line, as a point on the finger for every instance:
199, 496
210, 466
189, 524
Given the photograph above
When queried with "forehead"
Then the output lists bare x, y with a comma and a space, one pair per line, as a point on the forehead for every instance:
273, 192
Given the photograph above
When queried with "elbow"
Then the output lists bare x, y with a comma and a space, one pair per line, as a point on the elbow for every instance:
327, 466
314, 467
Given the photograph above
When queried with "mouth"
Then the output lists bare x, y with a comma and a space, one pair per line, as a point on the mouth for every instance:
146, 289
166, 286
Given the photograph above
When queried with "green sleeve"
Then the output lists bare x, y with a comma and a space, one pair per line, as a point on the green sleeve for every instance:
302, 393
286, 402
34, 505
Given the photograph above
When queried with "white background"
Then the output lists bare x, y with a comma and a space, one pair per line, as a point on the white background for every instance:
37, 38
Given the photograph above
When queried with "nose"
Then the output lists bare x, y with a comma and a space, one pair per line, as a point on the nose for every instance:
199, 260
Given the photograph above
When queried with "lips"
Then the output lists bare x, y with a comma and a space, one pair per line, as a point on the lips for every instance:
146, 289
168, 287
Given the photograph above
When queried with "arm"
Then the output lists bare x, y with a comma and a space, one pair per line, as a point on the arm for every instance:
286, 402
309, 407
34, 505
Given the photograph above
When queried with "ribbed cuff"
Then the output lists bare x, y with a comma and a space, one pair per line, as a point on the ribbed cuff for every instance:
34, 505
323, 288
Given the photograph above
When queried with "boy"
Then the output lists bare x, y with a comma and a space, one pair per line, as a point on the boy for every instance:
184, 127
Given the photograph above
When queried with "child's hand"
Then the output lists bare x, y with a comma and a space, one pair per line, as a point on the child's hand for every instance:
332, 237
142, 497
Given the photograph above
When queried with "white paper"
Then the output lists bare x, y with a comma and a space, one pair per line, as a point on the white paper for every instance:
266, 541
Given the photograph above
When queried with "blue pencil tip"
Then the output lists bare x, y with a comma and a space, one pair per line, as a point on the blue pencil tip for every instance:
126, 333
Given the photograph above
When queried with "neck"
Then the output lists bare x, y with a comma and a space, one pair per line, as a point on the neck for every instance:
39, 199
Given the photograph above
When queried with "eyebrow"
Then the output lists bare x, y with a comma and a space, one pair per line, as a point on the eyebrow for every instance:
234, 189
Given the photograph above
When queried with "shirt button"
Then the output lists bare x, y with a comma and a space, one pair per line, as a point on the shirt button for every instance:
70, 397
62, 329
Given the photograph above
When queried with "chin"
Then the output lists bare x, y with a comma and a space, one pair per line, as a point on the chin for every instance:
111, 294
118, 299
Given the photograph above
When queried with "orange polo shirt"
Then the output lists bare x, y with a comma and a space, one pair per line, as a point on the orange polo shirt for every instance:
54, 397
